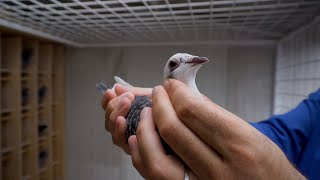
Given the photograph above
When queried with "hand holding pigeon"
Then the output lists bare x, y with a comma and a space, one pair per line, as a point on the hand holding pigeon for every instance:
181, 66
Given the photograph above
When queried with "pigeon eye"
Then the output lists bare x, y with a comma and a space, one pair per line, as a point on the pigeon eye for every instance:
173, 64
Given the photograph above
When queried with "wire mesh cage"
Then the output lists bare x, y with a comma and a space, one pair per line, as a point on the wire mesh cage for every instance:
92, 22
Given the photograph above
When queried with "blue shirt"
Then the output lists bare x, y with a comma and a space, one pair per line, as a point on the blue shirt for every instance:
297, 133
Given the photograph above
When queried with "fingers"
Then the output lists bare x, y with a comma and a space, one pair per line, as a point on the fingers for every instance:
119, 106
119, 89
150, 159
108, 95
135, 154
210, 122
120, 136
181, 139
122, 108
118, 103
115, 122
148, 137
142, 91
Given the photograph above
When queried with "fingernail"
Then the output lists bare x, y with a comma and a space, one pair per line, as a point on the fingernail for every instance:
116, 122
132, 142
144, 113
155, 90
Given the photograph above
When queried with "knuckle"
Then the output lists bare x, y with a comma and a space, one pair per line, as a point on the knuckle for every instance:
110, 107
136, 163
186, 109
113, 104
214, 171
245, 156
112, 118
168, 131
156, 171
250, 157
108, 117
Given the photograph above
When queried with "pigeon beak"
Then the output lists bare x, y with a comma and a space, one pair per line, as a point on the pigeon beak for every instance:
198, 60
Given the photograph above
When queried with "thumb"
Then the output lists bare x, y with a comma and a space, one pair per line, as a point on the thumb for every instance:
120, 89
178, 91
137, 91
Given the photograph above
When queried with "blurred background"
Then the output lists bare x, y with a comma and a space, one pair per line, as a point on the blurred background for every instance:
264, 59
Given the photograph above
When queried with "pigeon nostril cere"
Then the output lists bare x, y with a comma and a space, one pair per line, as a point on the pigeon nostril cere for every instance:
199, 60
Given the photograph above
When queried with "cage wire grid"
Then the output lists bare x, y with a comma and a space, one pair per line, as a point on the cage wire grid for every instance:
94, 22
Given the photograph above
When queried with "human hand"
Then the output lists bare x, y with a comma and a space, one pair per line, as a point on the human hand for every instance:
214, 143
148, 155
117, 104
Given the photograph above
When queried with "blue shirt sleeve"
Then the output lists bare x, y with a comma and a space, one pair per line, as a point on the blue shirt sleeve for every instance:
292, 130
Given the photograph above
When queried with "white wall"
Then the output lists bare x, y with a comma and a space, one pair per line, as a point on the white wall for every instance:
298, 68
237, 78
250, 82
90, 153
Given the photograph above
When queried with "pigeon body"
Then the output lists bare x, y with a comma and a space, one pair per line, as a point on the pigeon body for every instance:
182, 67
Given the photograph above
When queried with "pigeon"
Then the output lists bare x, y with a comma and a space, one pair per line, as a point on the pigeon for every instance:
184, 67
181, 66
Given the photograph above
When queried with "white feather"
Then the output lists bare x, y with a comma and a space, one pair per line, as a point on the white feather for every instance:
122, 82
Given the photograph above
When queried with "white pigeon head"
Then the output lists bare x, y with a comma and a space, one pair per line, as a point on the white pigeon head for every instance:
184, 67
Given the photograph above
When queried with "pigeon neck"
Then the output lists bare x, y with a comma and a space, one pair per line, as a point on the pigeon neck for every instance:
192, 85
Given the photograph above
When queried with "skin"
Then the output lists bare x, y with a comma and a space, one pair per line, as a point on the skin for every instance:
212, 142
117, 104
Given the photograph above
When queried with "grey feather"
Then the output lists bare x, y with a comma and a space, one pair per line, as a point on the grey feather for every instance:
133, 116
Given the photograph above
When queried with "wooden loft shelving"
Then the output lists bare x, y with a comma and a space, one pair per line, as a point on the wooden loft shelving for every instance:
10, 105
58, 112
31, 109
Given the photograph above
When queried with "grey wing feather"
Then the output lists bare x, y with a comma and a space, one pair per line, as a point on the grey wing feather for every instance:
133, 116
133, 119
